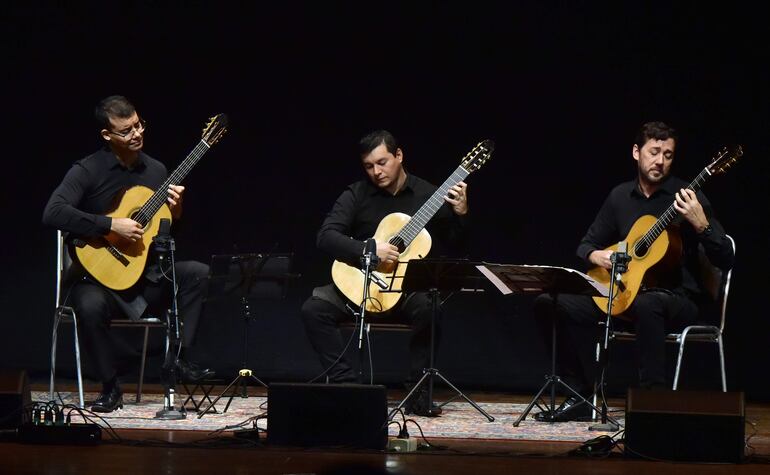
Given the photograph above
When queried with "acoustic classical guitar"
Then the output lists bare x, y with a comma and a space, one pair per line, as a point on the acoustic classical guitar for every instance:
118, 263
411, 238
649, 243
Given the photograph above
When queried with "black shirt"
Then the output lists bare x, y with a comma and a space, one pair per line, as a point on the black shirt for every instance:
626, 203
90, 188
360, 208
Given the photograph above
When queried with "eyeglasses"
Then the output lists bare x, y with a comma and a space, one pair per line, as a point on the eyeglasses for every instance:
137, 129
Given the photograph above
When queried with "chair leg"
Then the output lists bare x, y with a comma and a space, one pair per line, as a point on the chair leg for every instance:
141, 365
56, 319
722, 362
682, 341
77, 360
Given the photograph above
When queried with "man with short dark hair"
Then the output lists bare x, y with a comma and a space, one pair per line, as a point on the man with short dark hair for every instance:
675, 301
354, 219
78, 206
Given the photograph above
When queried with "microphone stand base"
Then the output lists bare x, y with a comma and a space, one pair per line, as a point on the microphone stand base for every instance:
170, 414
606, 427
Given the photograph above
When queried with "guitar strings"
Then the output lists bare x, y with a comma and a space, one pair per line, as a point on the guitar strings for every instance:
152, 205
665, 219
417, 222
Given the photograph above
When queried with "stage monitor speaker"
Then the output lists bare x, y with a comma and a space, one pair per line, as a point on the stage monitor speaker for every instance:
310, 415
693, 426
14, 397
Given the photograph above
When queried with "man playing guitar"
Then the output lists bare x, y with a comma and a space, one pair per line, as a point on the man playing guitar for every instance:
668, 301
79, 205
353, 219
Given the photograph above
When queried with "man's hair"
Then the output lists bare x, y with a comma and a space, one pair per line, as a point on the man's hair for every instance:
374, 139
113, 106
656, 131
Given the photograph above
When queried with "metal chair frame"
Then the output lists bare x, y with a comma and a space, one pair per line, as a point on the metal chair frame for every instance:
699, 333
66, 314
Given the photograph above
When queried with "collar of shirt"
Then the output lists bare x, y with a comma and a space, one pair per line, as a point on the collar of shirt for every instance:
408, 185
668, 186
139, 165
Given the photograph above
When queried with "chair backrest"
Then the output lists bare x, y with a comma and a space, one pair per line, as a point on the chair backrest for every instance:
63, 263
60, 264
716, 282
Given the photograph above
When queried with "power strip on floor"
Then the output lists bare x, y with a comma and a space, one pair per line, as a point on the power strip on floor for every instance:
402, 445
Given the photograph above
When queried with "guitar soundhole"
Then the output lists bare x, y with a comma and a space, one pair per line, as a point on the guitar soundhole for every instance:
398, 242
640, 249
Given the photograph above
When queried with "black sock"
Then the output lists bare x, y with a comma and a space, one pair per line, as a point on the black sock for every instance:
108, 386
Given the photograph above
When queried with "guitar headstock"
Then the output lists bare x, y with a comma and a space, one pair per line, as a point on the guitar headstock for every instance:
478, 156
215, 129
724, 159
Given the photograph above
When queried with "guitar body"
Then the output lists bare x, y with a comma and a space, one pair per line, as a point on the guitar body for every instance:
350, 280
638, 266
98, 256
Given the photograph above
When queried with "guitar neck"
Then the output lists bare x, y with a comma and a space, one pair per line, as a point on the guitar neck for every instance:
157, 199
416, 224
668, 216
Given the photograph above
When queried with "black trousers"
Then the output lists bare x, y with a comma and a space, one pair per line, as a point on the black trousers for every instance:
95, 307
652, 315
322, 318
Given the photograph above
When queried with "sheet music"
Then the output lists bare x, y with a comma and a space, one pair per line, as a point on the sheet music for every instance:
533, 278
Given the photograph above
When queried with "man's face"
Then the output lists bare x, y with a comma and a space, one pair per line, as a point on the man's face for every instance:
654, 159
125, 134
383, 167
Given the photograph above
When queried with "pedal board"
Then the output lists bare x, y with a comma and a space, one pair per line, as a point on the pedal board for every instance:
72, 434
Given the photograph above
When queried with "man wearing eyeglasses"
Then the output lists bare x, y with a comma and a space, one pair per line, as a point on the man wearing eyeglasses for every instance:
79, 206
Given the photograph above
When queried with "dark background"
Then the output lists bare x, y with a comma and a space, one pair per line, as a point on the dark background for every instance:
561, 89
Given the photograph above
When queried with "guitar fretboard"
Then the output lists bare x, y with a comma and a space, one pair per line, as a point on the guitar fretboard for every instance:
148, 210
665, 219
417, 222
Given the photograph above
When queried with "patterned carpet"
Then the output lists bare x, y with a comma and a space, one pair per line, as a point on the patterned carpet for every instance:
459, 419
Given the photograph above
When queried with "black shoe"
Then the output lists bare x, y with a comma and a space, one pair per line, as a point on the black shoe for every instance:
192, 372
572, 409
418, 405
108, 401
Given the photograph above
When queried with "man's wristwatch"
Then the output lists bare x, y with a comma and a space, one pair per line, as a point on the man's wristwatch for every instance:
707, 231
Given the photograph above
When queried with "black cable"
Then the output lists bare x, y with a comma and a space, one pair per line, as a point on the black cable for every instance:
344, 350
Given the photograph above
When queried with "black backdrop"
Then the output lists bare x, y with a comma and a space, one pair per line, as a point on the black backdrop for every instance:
561, 90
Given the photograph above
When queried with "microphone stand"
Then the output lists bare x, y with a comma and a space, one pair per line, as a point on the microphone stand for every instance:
164, 243
369, 261
620, 260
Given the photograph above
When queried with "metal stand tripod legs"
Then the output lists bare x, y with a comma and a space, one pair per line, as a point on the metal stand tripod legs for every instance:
429, 373
244, 374
551, 382
240, 381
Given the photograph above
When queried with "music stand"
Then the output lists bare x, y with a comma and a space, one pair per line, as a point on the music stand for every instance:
527, 279
252, 276
434, 276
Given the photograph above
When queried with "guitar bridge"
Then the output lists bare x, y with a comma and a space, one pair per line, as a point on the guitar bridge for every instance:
118, 255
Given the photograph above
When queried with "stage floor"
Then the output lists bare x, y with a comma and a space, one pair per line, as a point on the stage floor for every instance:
464, 442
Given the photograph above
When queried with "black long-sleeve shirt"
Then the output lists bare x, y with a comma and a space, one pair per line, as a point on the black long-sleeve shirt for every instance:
360, 208
626, 203
89, 190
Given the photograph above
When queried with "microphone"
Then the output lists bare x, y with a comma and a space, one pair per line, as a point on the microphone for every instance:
370, 253
162, 239
620, 260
